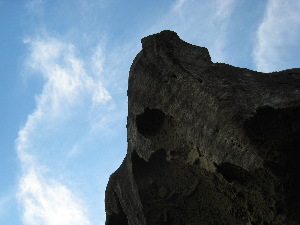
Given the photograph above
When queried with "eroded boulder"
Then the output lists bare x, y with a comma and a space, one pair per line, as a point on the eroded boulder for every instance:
208, 143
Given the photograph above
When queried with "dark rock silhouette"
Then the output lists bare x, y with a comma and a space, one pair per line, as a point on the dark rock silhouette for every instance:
208, 143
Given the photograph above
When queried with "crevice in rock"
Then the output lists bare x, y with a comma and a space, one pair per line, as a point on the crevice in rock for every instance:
119, 218
155, 165
147, 175
150, 122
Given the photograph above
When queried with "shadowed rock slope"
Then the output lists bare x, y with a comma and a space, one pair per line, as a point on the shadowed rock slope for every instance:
208, 143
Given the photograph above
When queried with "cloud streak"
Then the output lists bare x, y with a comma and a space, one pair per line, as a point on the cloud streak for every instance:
224, 9
69, 94
277, 36
3, 201
179, 4
197, 22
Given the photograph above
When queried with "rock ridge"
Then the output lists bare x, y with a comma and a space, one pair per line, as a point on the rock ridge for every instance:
208, 143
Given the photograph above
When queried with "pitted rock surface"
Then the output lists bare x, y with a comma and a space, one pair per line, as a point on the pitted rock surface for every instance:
208, 143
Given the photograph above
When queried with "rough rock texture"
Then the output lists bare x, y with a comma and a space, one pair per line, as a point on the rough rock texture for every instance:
208, 143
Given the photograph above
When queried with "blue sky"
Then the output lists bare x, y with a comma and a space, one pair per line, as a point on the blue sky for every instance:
63, 80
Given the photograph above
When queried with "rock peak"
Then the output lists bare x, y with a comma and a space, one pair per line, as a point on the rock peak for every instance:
168, 44
165, 37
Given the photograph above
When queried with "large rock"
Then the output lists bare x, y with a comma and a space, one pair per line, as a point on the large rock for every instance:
208, 143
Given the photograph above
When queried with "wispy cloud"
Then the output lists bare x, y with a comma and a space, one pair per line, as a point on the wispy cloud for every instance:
277, 36
69, 95
65, 75
224, 9
179, 4
203, 23
35, 6
3, 201
98, 59
221, 19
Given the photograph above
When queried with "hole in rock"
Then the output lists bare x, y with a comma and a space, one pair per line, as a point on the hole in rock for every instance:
150, 122
154, 166
119, 218
232, 172
274, 128
196, 162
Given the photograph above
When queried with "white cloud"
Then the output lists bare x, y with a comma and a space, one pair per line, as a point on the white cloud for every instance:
65, 75
69, 94
47, 202
100, 94
278, 35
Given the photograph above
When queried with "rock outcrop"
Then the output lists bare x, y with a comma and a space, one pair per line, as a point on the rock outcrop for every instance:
208, 143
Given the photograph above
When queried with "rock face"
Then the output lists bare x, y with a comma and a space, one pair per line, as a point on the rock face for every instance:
208, 143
